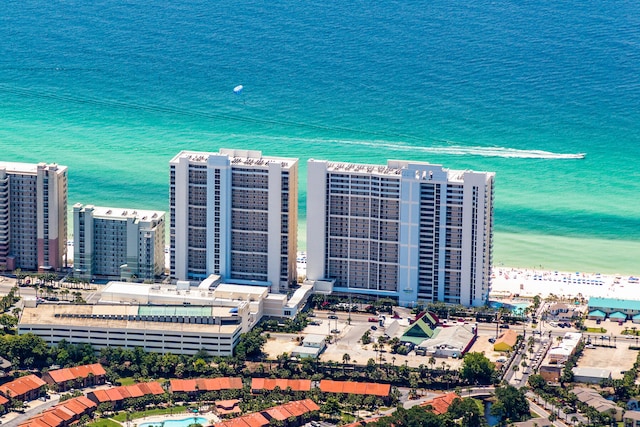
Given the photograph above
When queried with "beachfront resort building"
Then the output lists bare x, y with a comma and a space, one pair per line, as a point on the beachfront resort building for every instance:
162, 318
407, 230
118, 243
235, 214
33, 216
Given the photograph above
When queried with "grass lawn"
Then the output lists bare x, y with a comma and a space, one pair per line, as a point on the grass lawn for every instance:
122, 416
597, 330
126, 381
104, 423
347, 418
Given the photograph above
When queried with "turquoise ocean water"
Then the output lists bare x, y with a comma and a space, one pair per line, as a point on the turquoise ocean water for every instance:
114, 89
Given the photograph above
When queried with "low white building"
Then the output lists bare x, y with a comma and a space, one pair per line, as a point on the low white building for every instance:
561, 352
590, 375
452, 341
312, 346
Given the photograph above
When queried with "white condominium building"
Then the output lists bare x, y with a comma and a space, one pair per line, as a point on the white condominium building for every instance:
409, 230
33, 216
118, 243
235, 214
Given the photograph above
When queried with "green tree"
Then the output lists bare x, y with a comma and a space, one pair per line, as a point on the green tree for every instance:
477, 368
514, 404
468, 412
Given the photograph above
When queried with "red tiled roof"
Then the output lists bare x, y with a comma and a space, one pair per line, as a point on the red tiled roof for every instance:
283, 384
135, 390
206, 384
21, 386
52, 419
373, 389
69, 374
281, 413
184, 386
3, 400
155, 388
85, 401
101, 395
61, 412
440, 404
295, 408
235, 422
310, 405
116, 394
255, 419
75, 406
35, 422
277, 412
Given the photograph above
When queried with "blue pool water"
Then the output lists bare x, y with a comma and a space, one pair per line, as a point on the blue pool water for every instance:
516, 308
177, 423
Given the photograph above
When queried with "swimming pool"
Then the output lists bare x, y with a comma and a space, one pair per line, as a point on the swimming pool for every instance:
186, 422
516, 308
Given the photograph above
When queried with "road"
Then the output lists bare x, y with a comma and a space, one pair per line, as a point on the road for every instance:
32, 411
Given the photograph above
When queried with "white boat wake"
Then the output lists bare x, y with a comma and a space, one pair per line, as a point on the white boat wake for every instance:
460, 150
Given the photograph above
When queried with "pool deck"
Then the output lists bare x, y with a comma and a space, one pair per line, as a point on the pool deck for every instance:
211, 418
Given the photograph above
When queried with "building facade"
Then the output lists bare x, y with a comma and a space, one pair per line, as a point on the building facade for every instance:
33, 216
235, 214
159, 329
409, 230
118, 243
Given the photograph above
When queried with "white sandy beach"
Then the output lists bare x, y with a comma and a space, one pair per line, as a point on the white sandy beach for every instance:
528, 283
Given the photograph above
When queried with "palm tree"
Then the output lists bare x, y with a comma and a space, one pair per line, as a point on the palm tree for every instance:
345, 359
515, 369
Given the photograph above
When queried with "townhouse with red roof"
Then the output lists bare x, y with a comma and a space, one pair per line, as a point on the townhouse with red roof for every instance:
25, 388
76, 377
117, 395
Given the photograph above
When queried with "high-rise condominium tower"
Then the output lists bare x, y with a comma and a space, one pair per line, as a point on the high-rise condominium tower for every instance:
408, 230
118, 243
33, 216
234, 213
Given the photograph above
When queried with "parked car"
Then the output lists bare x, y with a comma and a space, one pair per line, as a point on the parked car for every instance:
504, 326
333, 316
374, 327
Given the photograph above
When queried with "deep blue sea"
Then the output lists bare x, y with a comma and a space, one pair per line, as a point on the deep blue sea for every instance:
114, 89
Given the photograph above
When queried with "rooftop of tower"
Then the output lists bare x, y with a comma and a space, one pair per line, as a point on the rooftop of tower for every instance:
121, 213
29, 168
238, 157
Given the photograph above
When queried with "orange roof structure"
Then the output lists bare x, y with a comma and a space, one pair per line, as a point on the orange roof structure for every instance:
348, 387
506, 341
258, 384
70, 374
62, 414
281, 413
116, 394
206, 384
3, 400
440, 404
255, 419
21, 386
